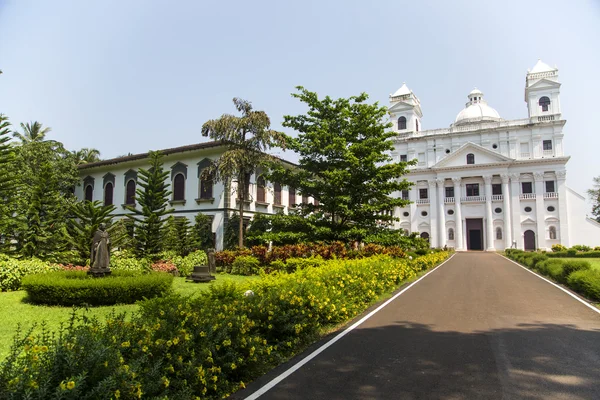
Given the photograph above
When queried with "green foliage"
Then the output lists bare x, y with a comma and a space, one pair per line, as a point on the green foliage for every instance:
245, 265
208, 345
187, 263
344, 147
281, 229
124, 261
586, 282
43, 200
12, 271
86, 156
152, 195
594, 195
231, 232
247, 138
201, 237
8, 178
581, 247
87, 218
294, 264
558, 247
393, 237
68, 288
177, 235
122, 235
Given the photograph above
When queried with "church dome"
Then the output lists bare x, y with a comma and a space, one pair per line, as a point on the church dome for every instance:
476, 110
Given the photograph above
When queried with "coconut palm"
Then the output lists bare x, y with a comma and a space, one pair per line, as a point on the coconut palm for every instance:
86, 156
32, 132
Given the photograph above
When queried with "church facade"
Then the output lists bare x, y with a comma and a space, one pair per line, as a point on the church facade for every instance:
486, 183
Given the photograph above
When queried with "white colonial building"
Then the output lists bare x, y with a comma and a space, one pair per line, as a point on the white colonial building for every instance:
486, 183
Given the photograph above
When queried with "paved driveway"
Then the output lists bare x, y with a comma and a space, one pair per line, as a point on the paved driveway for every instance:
479, 327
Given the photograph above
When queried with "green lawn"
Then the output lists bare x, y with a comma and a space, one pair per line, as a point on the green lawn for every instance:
594, 261
14, 310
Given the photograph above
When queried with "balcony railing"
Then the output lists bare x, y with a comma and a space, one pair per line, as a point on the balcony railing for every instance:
497, 197
472, 199
449, 200
549, 153
527, 196
525, 155
422, 201
551, 195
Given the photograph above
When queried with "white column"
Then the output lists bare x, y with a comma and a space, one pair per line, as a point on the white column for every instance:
507, 214
442, 215
458, 235
515, 193
488, 213
539, 210
433, 221
561, 177
412, 196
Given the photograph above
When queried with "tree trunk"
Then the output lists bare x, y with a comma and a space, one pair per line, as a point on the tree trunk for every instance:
241, 190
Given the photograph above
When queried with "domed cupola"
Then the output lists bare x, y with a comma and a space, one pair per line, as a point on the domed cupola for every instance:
476, 110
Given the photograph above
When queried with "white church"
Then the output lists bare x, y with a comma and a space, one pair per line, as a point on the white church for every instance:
484, 183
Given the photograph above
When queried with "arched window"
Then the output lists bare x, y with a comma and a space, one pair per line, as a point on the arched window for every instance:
544, 103
416, 125
498, 233
401, 123
470, 158
260, 190
89, 193
206, 185
552, 232
425, 236
451, 234
291, 197
130, 192
108, 194
179, 187
277, 193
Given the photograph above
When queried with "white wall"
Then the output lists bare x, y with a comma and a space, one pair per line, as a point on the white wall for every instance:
582, 230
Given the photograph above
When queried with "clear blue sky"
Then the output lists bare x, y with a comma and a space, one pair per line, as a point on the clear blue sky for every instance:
129, 76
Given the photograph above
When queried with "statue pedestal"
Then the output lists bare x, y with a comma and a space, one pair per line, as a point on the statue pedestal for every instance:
201, 274
99, 272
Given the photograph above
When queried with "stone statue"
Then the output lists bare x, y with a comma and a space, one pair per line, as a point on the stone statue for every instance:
100, 256
210, 255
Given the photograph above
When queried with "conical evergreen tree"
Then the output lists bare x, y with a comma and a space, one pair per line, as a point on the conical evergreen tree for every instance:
177, 238
7, 179
201, 237
152, 196
87, 217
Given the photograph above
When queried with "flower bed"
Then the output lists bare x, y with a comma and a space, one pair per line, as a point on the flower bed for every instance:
206, 346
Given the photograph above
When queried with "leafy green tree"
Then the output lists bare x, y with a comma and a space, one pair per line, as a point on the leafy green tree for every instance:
201, 237
344, 147
248, 138
152, 196
177, 236
86, 219
43, 199
86, 156
231, 232
594, 194
32, 132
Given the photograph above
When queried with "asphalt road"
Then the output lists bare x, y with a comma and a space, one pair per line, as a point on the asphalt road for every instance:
479, 327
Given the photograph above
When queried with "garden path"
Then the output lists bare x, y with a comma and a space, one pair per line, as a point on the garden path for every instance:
478, 327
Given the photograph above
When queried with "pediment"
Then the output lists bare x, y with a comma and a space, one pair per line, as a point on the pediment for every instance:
402, 106
482, 156
544, 84
528, 221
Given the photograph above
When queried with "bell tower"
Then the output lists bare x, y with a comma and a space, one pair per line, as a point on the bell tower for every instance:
542, 92
405, 111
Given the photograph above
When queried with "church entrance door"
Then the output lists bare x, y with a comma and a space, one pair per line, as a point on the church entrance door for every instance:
529, 240
475, 233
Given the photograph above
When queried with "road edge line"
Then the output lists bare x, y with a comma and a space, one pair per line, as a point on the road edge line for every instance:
271, 384
585, 303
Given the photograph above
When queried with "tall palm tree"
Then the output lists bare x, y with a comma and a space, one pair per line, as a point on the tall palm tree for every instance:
32, 132
86, 156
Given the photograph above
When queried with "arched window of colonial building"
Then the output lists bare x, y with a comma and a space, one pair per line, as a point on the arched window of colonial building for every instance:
291, 197
260, 190
451, 234
89, 193
130, 192
401, 123
277, 193
206, 185
108, 194
552, 232
179, 187
544, 103
425, 236
470, 158
498, 233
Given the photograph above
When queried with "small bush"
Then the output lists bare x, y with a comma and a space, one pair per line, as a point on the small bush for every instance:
571, 253
245, 265
533, 258
293, 264
558, 247
12, 271
69, 288
194, 259
581, 247
555, 271
571, 266
165, 266
543, 267
128, 263
586, 282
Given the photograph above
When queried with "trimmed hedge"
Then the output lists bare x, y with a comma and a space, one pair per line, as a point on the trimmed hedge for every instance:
67, 288
206, 346
571, 253
12, 271
576, 274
